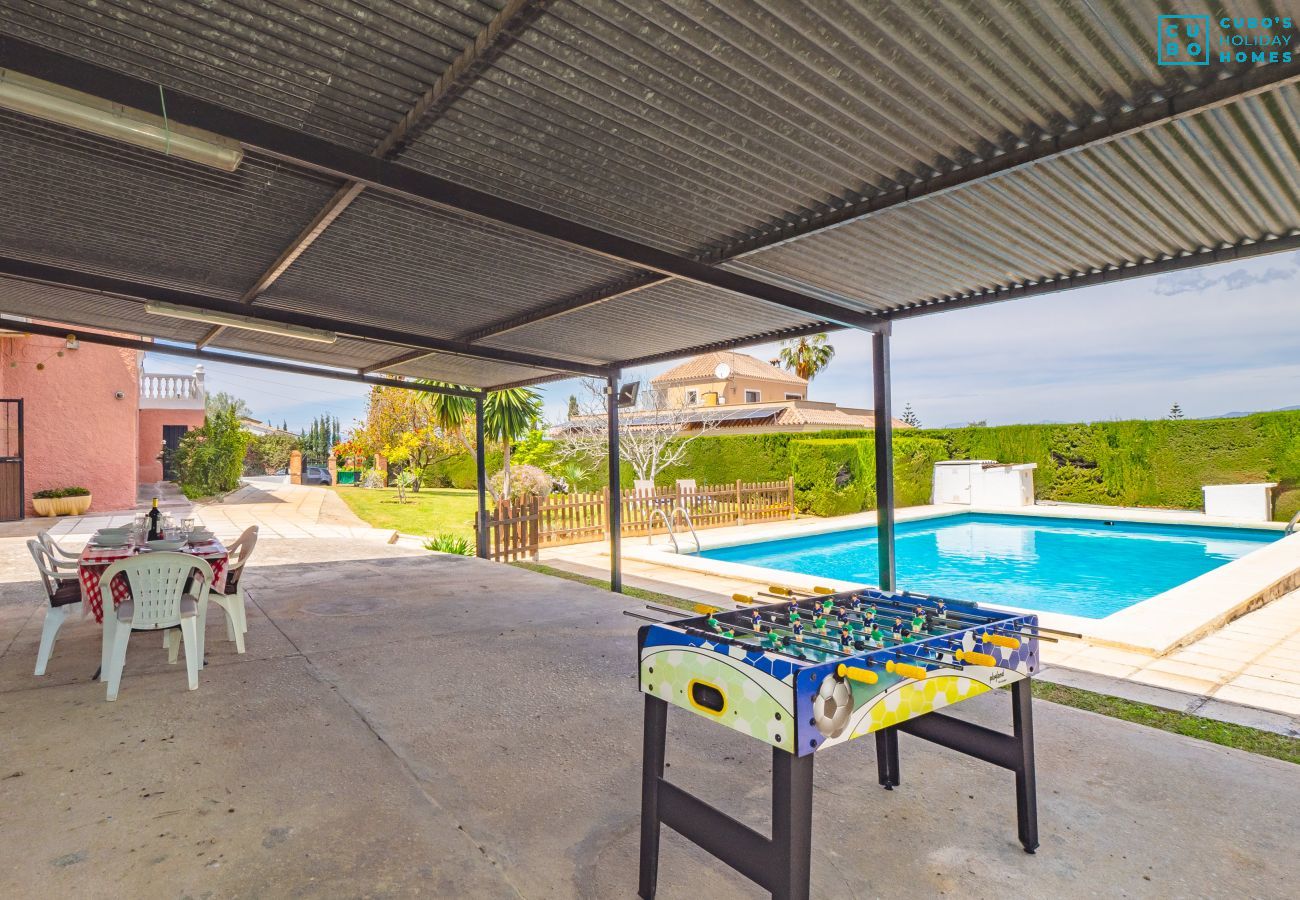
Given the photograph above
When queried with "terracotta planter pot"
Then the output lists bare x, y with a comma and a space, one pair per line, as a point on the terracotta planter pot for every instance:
61, 506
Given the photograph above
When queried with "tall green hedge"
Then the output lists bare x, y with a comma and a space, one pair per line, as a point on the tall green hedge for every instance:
838, 476
1159, 463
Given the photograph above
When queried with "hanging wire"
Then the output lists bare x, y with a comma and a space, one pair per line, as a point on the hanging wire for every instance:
167, 128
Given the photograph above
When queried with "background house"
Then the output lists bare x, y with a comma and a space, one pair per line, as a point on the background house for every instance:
90, 417
754, 396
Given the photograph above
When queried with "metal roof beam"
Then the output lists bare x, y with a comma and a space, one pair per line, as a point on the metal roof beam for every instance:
308, 151
488, 44
387, 364
1150, 115
91, 282
1243, 250
113, 340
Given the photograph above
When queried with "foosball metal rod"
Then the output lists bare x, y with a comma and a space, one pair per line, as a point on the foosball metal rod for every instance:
779, 629
635, 615
923, 600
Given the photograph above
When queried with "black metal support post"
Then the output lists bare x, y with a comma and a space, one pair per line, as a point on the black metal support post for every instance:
480, 469
884, 440
887, 758
652, 769
792, 783
781, 863
1022, 725
1013, 751
615, 510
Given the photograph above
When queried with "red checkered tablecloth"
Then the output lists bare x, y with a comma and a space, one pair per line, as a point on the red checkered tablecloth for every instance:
96, 560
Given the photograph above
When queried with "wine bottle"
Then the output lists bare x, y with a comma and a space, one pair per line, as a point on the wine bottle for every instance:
155, 522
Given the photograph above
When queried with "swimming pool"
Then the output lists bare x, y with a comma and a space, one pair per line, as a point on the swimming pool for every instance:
1081, 567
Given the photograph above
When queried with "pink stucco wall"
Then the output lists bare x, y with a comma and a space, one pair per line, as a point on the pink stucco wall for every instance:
76, 431
151, 436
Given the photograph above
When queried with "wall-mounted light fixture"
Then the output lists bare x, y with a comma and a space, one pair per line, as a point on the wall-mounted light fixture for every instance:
55, 103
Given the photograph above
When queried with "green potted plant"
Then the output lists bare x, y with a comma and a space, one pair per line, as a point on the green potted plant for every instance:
65, 501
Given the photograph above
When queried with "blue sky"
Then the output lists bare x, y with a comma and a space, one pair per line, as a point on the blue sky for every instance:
1214, 340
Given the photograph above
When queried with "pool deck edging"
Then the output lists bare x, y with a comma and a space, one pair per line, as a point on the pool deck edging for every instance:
1157, 625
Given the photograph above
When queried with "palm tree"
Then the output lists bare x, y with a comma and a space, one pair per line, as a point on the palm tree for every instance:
449, 412
807, 356
508, 415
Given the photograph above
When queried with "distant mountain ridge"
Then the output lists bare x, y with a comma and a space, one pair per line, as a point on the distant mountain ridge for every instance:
1238, 415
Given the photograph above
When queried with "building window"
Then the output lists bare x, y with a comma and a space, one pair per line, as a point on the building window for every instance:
751, 396
692, 398
794, 396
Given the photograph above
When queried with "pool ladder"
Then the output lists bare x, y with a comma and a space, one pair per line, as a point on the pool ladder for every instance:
669, 518
1290, 526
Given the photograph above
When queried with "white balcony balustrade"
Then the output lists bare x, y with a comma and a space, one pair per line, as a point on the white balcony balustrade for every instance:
173, 391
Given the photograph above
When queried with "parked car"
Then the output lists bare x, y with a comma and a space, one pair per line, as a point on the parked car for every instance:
315, 475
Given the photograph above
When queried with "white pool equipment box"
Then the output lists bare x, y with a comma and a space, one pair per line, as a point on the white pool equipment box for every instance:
1240, 502
984, 482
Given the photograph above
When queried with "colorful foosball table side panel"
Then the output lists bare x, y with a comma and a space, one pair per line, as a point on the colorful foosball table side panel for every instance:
804, 705
752, 692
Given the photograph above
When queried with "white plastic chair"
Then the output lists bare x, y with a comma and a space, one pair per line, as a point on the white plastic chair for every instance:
231, 598
62, 559
63, 591
159, 599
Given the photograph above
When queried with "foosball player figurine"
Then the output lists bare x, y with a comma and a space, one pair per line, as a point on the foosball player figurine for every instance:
820, 623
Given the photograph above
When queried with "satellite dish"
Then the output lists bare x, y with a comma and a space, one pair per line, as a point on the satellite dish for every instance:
627, 394
722, 372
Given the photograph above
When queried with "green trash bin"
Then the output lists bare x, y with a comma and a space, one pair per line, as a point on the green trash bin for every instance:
347, 476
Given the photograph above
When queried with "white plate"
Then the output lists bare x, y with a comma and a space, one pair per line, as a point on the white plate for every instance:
164, 545
109, 541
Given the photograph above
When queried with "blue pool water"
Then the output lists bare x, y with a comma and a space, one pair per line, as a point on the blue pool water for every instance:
1082, 567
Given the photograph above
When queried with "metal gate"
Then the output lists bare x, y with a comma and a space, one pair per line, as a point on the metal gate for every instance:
172, 435
12, 494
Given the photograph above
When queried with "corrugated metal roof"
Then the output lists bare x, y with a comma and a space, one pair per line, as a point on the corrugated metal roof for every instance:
798, 143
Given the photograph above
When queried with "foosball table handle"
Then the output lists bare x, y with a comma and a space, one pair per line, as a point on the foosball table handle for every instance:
866, 676
907, 670
972, 656
1001, 640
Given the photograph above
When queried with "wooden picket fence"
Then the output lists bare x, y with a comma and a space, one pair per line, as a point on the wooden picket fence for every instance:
512, 529
517, 529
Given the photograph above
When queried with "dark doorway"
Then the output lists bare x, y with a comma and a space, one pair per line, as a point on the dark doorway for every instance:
172, 435
11, 460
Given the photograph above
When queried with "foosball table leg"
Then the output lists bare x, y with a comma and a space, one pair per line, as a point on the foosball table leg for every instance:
781, 863
652, 763
887, 758
1022, 725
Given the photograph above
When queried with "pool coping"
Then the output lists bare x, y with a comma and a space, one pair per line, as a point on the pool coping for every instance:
1157, 625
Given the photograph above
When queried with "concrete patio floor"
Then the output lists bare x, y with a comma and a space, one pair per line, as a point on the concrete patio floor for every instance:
411, 724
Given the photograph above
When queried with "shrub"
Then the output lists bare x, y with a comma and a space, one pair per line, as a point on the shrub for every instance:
450, 543
269, 453
525, 481
57, 493
210, 459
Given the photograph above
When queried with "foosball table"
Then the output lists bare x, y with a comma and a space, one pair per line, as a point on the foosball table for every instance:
812, 670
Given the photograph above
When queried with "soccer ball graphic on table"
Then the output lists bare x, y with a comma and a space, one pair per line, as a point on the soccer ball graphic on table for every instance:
832, 706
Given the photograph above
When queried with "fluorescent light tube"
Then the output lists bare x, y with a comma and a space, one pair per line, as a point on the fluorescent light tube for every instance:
247, 323
87, 112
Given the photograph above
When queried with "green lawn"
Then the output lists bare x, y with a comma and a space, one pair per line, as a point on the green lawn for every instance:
429, 512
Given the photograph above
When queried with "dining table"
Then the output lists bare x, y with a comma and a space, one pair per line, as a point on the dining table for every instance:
95, 560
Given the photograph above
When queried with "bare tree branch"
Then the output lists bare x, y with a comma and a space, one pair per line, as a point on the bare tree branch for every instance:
652, 437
